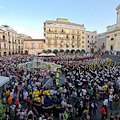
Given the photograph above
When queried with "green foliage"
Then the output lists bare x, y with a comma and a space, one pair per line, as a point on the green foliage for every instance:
44, 51
2, 110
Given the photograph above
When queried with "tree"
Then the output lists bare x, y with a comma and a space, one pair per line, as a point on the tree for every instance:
44, 51
2, 110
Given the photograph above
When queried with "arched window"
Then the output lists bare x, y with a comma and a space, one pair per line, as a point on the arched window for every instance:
112, 38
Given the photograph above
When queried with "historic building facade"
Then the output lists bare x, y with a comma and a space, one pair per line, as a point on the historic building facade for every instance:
101, 42
113, 34
33, 46
62, 35
10, 41
3, 43
91, 41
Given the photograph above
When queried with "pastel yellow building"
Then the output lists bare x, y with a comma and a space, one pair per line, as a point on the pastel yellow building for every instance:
10, 41
33, 46
113, 34
62, 35
3, 43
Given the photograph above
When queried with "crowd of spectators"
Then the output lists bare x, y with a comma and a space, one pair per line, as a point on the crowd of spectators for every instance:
76, 99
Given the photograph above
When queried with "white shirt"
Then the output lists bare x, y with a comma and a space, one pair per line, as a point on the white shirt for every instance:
25, 94
110, 98
105, 102
84, 92
51, 92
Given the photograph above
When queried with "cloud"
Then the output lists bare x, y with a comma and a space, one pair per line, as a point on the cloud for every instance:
1, 7
35, 34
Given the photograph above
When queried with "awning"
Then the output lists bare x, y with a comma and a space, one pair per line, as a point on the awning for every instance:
3, 80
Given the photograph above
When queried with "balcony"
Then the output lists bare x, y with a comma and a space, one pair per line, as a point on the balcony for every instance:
62, 38
67, 33
55, 43
62, 32
49, 31
3, 40
55, 37
67, 38
73, 33
56, 32
73, 39
3, 49
49, 37
78, 38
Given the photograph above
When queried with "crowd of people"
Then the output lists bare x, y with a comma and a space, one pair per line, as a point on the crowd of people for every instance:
76, 99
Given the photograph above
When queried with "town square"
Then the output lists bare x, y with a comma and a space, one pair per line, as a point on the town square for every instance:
59, 68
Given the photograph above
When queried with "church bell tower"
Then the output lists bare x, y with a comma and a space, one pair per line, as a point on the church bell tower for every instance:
118, 14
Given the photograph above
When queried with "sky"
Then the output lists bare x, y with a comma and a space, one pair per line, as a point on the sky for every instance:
28, 16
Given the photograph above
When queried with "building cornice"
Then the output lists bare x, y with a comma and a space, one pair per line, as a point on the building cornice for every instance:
118, 7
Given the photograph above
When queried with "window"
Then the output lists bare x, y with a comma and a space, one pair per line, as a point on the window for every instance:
82, 41
112, 38
82, 37
25, 45
8, 34
9, 47
88, 36
82, 32
88, 46
49, 42
32, 46
95, 41
88, 41
39, 46
4, 45
19, 47
82, 46
95, 37
92, 36
18, 41
0, 45
3, 37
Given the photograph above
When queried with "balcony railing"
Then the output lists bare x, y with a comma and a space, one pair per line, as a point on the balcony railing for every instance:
49, 31
73, 33
2, 40
3, 49
55, 32
62, 32
73, 39
78, 38
49, 37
